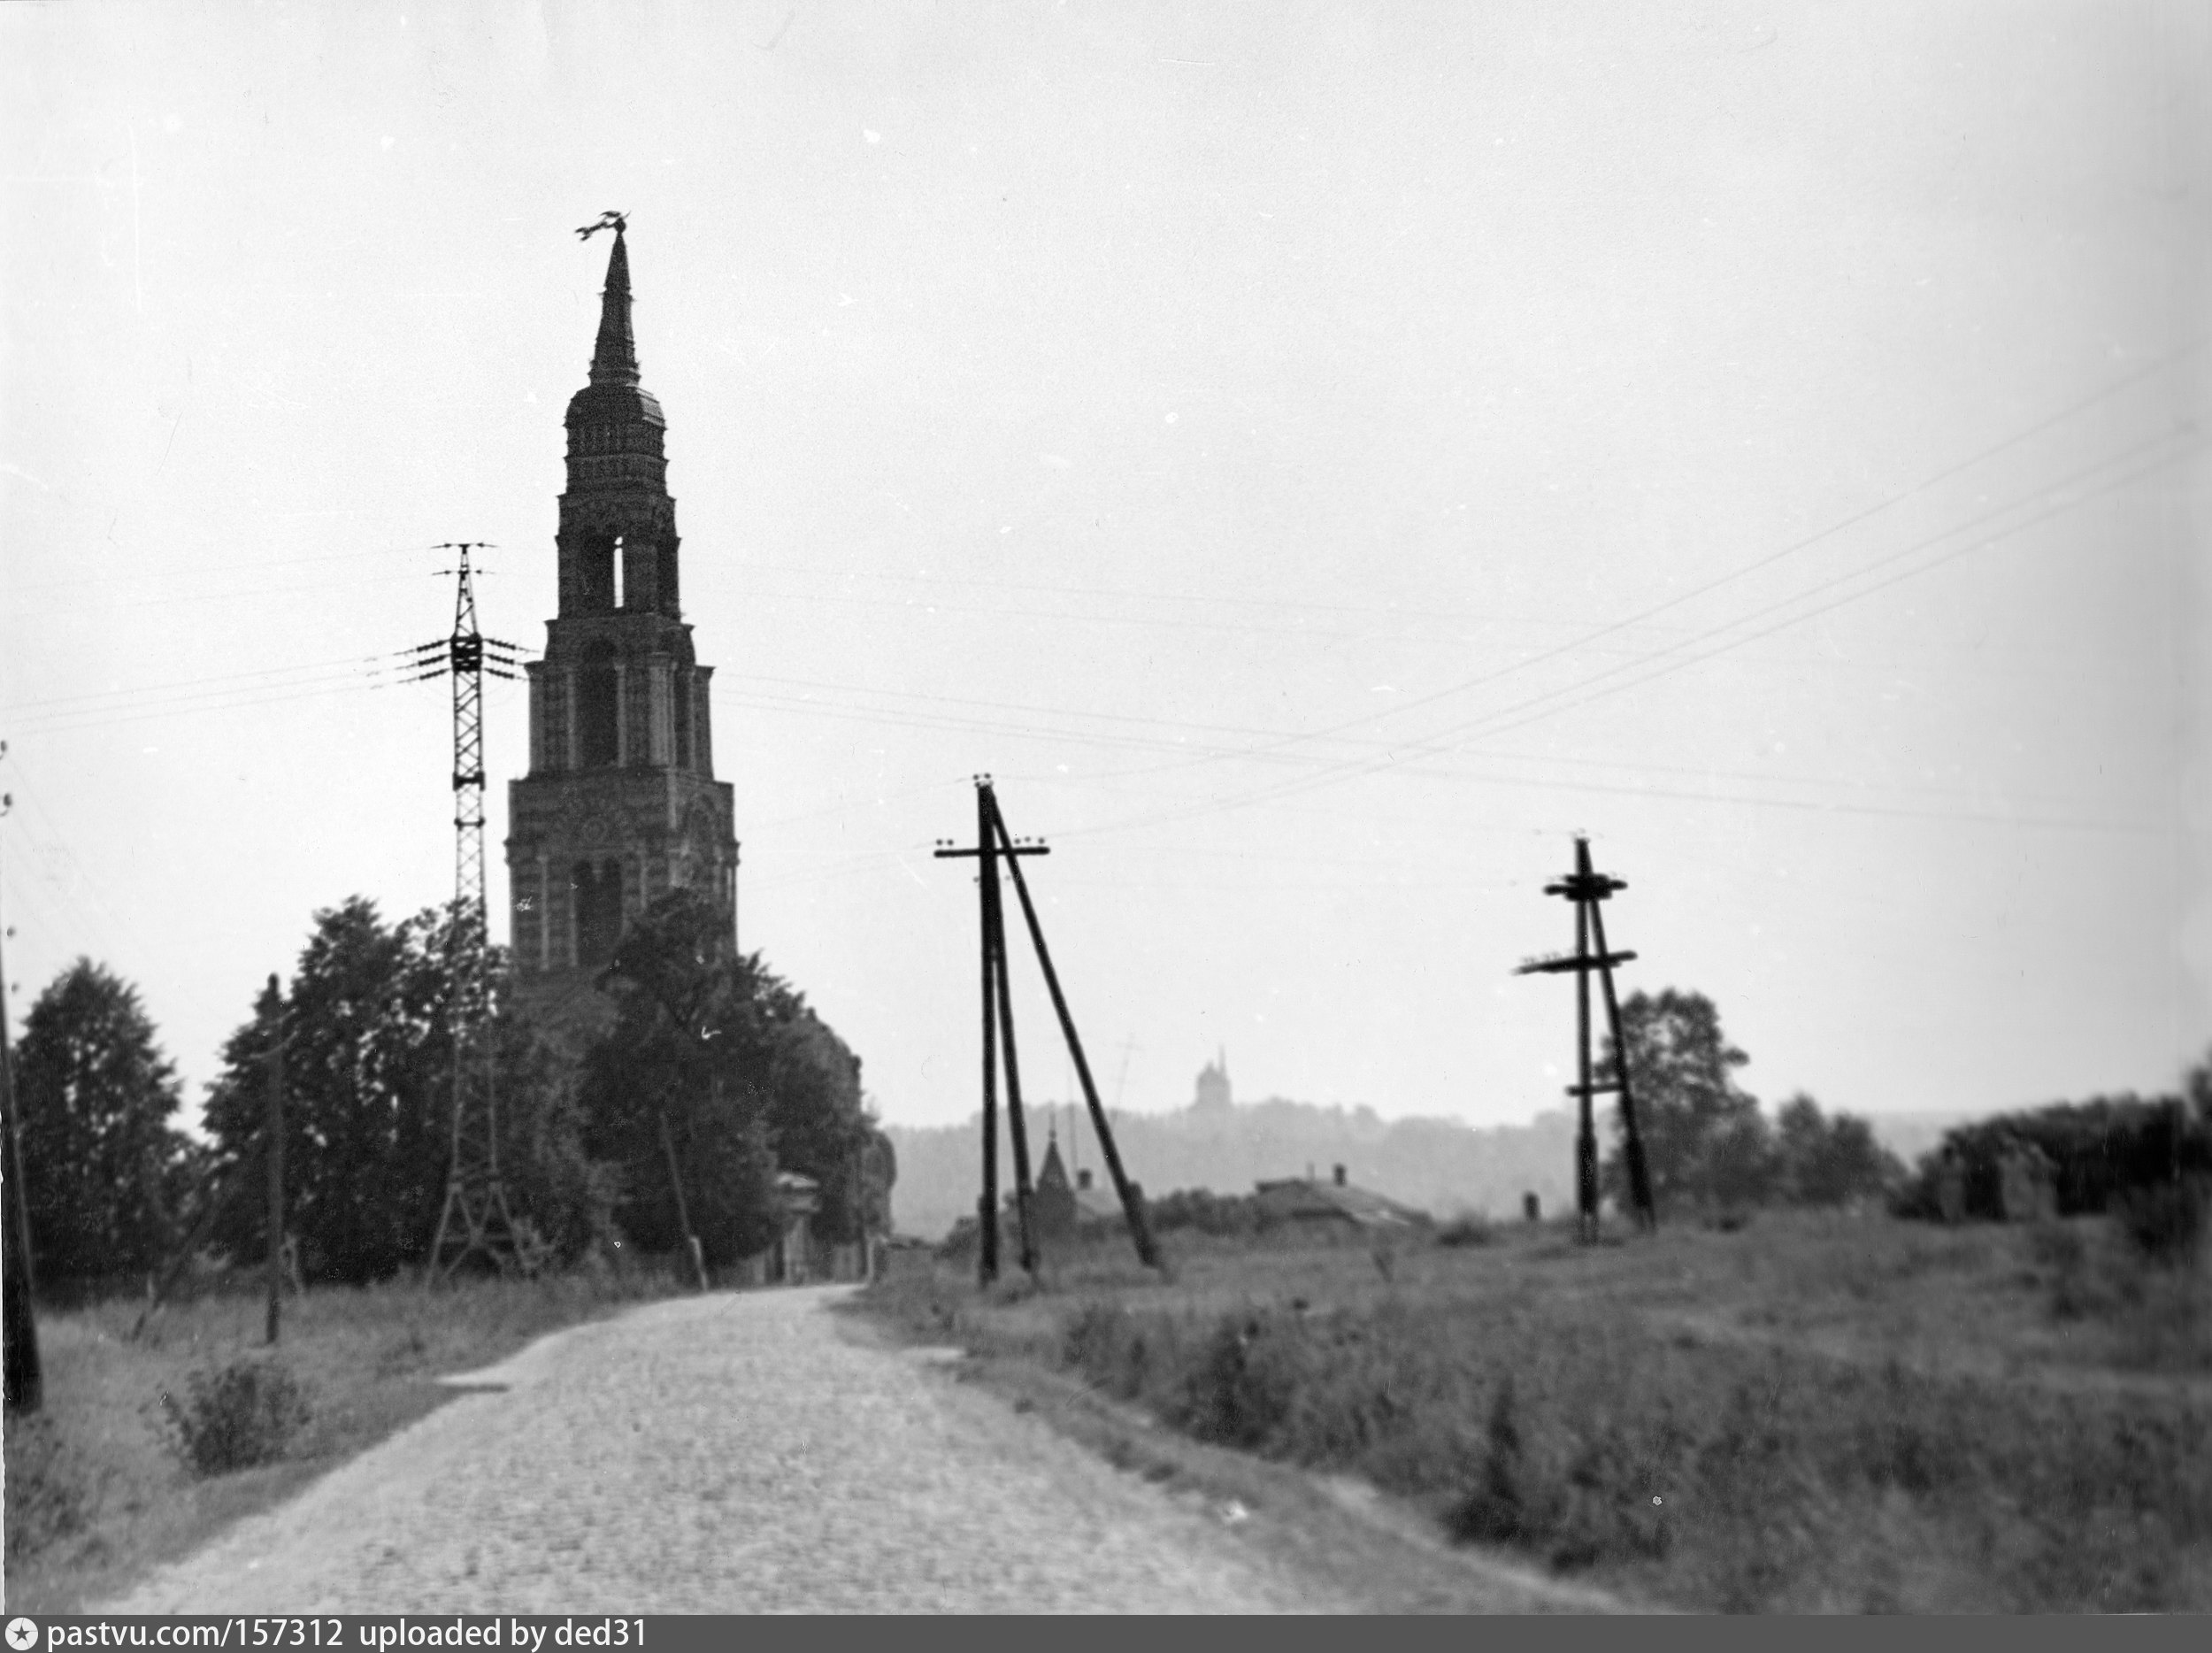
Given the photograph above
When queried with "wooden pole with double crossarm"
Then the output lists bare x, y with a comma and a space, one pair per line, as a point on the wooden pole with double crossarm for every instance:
1587, 889
993, 843
998, 1029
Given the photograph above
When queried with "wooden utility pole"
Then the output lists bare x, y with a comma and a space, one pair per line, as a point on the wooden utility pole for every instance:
1017, 1117
986, 1203
1131, 1196
992, 841
276, 1130
1586, 890
25, 1384
683, 1211
998, 1027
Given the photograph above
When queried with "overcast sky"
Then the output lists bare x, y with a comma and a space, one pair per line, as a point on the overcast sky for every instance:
1319, 458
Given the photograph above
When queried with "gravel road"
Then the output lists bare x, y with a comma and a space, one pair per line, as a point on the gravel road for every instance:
744, 1452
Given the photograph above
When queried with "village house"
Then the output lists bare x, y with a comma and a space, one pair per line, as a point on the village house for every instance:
1334, 1206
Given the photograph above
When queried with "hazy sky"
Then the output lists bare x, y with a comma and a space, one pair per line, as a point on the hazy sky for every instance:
1318, 457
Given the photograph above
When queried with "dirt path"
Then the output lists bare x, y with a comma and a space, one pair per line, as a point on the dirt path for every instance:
736, 1453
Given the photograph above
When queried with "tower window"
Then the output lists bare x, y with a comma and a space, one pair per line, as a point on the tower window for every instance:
616, 558
598, 711
598, 912
595, 569
683, 717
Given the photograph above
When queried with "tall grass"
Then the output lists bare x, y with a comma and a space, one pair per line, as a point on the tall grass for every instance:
1561, 1402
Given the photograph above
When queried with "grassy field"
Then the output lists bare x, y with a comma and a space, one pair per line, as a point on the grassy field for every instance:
1809, 1413
97, 1494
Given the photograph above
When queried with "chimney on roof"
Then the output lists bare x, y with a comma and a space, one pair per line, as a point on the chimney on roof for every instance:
1339, 1176
1083, 1178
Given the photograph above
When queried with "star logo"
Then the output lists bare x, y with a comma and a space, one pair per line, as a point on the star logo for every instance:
22, 1634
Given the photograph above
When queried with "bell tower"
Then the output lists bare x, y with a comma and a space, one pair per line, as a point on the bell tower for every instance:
620, 804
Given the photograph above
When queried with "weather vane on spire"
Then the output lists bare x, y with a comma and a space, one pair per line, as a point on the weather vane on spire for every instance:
616, 221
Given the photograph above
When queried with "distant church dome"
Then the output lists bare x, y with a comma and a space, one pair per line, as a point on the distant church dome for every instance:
1213, 1085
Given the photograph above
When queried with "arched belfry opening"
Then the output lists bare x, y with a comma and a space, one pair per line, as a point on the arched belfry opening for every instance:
621, 803
596, 565
598, 708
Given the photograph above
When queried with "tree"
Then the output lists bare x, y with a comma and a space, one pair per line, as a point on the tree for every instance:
368, 1072
1830, 1161
102, 1167
744, 1078
367, 1060
552, 1183
1704, 1140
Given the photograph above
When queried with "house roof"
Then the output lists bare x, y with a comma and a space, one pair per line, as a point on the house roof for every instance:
1300, 1196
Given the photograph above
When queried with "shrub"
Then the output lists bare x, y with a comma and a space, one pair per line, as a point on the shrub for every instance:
46, 1486
2057, 1245
1470, 1228
236, 1417
1207, 1212
2164, 1223
1241, 1390
1495, 1509
1112, 1348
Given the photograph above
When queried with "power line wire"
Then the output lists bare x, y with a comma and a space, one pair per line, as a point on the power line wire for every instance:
1353, 769
1794, 549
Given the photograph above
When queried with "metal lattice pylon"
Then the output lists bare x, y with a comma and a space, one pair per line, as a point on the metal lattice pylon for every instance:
474, 1220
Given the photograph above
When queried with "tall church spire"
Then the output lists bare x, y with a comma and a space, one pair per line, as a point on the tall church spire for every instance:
620, 804
614, 361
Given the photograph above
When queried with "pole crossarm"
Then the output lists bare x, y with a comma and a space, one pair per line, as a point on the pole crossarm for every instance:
1585, 886
1566, 964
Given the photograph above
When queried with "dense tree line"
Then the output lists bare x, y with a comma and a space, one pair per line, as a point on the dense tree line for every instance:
712, 1064
2098, 1151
